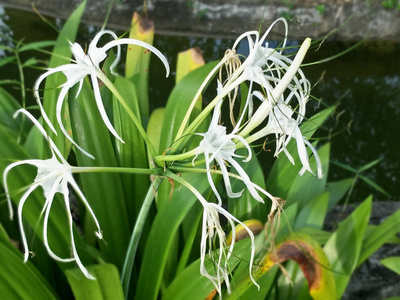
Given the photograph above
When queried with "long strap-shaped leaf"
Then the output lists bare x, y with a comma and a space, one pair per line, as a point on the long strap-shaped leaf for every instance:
165, 225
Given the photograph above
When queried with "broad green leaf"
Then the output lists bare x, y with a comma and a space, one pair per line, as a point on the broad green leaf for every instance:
393, 263
179, 102
19, 280
283, 173
313, 213
103, 191
306, 187
163, 231
60, 56
379, 236
107, 285
345, 245
318, 235
337, 190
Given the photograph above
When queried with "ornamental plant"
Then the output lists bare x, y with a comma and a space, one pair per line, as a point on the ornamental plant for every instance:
178, 200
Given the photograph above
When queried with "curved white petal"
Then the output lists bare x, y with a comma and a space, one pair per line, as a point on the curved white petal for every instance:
100, 106
127, 41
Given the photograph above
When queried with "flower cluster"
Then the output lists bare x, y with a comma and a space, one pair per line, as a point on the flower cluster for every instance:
283, 86
55, 174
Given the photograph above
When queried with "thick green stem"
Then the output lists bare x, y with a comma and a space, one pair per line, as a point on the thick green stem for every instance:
136, 234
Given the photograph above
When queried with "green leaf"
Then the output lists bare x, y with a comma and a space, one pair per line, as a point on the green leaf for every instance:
154, 127
306, 187
6, 60
132, 153
374, 185
30, 62
163, 231
370, 165
393, 263
179, 102
345, 245
313, 214
103, 191
191, 285
379, 236
19, 280
36, 45
8, 106
107, 285
60, 56
337, 190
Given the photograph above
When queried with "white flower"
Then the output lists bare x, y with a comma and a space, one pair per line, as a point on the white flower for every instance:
219, 146
54, 175
284, 127
264, 66
211, 232
293, 80
89, 64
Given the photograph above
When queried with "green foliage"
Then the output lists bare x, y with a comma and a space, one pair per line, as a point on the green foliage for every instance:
107, 285
320, 8
151, 250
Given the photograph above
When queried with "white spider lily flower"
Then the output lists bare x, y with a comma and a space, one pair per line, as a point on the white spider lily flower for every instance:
89, 64
284, 127
264, 66
219, 146
212, 231
54, 175
299, 91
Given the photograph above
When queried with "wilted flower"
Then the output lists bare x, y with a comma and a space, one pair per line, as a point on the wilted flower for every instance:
89, 64
54, 175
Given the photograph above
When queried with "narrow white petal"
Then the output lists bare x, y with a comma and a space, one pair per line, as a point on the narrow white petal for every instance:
127, 41
73, 247
59, 105
21, 224
101, 108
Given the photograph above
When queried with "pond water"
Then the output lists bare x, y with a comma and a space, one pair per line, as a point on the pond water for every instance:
367, 118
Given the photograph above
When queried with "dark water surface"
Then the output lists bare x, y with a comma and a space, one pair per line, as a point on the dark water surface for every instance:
368, 116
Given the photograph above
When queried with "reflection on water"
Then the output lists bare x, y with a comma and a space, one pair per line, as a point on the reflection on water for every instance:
370, 74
